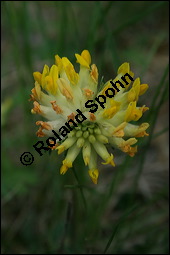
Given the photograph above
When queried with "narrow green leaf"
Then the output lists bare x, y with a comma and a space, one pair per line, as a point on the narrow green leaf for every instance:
118, 225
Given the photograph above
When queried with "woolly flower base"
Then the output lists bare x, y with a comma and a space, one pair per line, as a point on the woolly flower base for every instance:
88, 119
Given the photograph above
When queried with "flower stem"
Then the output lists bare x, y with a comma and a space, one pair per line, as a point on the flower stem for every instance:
80, 187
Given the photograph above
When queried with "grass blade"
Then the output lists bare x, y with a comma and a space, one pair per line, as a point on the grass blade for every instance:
117, 227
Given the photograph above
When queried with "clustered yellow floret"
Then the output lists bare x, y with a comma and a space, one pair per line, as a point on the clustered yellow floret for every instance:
59, 91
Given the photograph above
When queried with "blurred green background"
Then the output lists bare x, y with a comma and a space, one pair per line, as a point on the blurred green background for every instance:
44, 212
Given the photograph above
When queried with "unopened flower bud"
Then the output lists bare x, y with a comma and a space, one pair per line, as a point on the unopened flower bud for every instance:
92, 139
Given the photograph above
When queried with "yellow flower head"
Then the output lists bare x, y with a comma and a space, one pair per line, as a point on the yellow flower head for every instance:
84, 118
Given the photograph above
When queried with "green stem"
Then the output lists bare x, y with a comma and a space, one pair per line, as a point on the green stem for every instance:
121, 220
80, 187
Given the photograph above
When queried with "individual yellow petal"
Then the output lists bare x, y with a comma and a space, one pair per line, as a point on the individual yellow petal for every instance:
94, 174
65, 88
58, 62
81, 61
136, 86
109, 160
69, 69
101, 150
60, 149
133, 113
44, 74
94, 73
37, 77
65, 61
106, 86
143, 89
84, 59
131, 74
110, 112
36, 92
86, 55
54, 75
66, 164
72, 153
136, 82
133, 93
124, 68
63, 169
49, 84
128, 85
